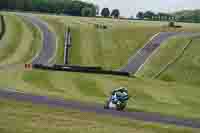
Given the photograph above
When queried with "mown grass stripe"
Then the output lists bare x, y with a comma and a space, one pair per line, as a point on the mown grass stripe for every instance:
12, 37
173, 60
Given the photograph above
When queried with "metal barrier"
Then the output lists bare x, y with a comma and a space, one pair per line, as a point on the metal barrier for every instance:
79, 69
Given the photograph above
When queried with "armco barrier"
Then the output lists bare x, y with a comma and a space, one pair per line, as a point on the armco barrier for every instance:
71, 69
78, 67
3, 26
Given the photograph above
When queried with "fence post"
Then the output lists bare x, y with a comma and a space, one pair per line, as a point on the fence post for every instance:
3, 26
67, 45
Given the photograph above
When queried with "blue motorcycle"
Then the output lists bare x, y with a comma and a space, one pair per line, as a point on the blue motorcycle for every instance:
118, 99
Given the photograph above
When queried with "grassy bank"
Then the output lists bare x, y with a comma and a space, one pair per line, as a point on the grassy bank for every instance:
14, 30
59, 28
25, 117
184, 70
21, 42
148, 95
167, 52
111, 47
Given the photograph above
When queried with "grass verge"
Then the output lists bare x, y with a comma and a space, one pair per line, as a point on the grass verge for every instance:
165, 53
25, 117
25, 42
109, 48
59, 28
14, 30
186, 69
148, 95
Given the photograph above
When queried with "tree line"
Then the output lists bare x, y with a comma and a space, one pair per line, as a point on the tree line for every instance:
105, 12
192, 16
71, 7
149, 15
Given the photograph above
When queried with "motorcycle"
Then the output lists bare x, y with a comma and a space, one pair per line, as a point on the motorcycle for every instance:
116, 101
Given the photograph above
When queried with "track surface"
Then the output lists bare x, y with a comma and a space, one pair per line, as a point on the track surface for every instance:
97, 108
137, 60
49, 40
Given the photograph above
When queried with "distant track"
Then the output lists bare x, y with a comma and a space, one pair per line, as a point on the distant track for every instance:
98, 109
137, 60
49, 39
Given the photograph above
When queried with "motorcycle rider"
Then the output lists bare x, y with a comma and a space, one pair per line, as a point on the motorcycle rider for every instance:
118, 99
120, 94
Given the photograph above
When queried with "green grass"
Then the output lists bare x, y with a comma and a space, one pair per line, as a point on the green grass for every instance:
59, 28
179, 99
18, 117
149, 95
110, 49
185, 70
75, 56
14, 31
93, 46
166, 53
21, 42
35, 44
38, 80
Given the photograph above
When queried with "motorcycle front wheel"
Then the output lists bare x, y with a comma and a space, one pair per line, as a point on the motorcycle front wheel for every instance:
121, 106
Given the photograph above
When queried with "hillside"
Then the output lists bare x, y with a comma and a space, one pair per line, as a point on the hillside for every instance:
160, 58
26, 117
111, 49
183, 70
147, 94
21, 41
97, 87
188, 16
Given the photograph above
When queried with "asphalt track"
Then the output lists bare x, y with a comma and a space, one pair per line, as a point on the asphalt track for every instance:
98, 109
47, 52
49, 40
137, 60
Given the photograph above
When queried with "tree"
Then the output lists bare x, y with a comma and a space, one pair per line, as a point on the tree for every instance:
97, 9
94, 9
149, 14
75, 8
140, 15
3, 4
105, 12
28, 5
171, 24
71, 7
188, 16
11, 4
86, 12
115, 13
196, 16
19, 4
164, 16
